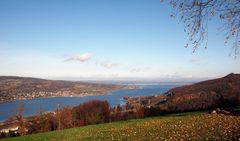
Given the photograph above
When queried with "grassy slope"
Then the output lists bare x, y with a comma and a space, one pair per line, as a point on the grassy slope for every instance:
187, 126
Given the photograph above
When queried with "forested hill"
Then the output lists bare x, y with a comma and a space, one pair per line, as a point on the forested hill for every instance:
223, 91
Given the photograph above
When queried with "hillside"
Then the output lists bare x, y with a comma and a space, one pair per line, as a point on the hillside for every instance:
19, 88
228, 86
221, 92
185, 126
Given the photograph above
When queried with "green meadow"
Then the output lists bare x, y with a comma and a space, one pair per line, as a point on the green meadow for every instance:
185, 126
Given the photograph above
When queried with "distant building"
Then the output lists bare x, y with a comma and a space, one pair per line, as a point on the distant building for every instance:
10, 129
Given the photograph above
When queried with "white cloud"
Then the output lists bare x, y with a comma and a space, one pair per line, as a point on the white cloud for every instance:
135, 70
109, 65
139, 69
82, 57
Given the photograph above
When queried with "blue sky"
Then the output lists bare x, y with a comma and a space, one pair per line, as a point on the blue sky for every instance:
107, 39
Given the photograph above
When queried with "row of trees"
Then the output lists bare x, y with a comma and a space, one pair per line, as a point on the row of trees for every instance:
92, 112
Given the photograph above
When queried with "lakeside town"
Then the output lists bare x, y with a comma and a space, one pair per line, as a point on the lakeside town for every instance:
19, 88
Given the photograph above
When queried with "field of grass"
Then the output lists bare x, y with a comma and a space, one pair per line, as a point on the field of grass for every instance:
187, 126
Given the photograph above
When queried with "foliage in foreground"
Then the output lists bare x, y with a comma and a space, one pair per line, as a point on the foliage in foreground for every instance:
200, 126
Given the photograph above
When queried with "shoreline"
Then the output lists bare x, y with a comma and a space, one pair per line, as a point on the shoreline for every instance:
78, 97
132, 87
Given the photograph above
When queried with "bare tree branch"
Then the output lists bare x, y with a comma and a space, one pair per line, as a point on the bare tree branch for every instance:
195, 14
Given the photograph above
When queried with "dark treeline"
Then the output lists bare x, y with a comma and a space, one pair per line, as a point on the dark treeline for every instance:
92, 112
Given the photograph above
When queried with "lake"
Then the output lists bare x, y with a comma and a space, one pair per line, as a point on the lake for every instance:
49, 104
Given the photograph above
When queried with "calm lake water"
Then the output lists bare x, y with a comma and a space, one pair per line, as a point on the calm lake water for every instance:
49, 104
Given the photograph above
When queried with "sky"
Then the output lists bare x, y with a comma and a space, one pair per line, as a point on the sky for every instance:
107, 39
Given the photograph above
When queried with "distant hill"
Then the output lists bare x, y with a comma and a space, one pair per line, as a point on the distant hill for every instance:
19, 88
